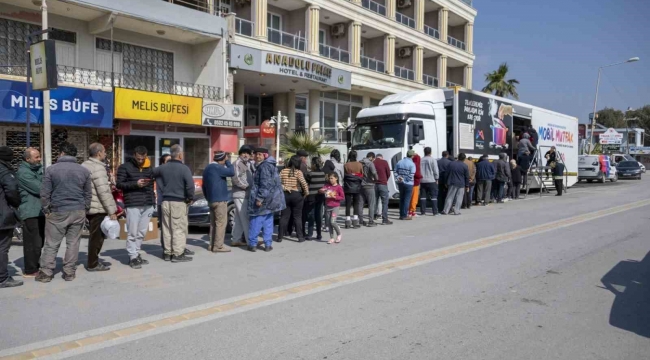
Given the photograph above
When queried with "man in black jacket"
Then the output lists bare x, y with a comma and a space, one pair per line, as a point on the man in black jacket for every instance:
443, 164
177, 188
134, 178
9, 202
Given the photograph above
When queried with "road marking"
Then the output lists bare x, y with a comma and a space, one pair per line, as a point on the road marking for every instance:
112, 335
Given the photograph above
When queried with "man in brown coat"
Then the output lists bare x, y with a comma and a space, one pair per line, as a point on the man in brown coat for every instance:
467, 199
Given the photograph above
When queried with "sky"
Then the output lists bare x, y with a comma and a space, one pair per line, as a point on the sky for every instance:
554, 48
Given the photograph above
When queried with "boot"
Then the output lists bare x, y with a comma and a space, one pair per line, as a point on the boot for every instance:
355, 223
348, 223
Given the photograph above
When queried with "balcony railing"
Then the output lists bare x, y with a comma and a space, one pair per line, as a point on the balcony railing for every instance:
285, 39
452, 84
88, 77
455, 42
373, 64
405, 20
243, 27
334, 53
433, 32
330, 134
430, 80
404, 73
374, 7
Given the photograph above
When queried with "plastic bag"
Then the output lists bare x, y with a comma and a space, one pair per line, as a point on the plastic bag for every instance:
111, 228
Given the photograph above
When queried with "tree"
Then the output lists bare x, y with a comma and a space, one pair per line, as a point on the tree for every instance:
302, 141
611, 118
497, 83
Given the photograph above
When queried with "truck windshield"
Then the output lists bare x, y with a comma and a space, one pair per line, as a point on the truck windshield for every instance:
378, 135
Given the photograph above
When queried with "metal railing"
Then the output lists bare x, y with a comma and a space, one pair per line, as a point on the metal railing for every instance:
452, 84
374, 7
433, 32
430, 80
405, 20
455, 42
404, 73
285, 39
196, 5
334, 53
373, 64
330, 134
243, 27
88, 77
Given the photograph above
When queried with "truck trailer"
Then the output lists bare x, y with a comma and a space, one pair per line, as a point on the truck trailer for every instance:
460, 120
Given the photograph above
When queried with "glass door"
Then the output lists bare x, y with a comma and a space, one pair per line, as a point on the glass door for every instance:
165, 145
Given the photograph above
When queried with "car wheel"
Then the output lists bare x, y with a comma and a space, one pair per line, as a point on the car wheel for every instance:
615, 179
231, 218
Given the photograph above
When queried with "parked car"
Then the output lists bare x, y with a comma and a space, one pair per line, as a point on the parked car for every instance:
199, 212
589, 169
629, 169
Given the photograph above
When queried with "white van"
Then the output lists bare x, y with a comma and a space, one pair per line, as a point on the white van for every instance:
589, 169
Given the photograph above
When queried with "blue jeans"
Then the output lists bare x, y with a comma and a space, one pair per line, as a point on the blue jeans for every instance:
500, 189
405, 192
381, 192
257, 223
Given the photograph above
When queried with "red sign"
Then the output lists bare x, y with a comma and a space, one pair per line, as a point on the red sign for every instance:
266, 130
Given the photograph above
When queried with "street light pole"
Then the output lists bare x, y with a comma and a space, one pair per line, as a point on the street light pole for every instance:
593, 120
278, 121
47, 128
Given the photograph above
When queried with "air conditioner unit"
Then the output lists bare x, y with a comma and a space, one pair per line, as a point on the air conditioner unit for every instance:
401, 4
337, 30
405, 52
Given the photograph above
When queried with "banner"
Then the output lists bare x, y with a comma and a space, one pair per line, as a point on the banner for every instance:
221, 115
484, 125
151, 106
68, 106
43, 64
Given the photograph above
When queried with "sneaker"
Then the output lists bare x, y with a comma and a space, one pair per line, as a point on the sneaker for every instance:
32, 275
99, 267
251, 248
268, 248
223, 249
181, 258
348, 224
371, 224
69, 277
378, 217
387, 222
135, 263
238, 243
10, 282
143, 261
44, 278
190, 252
167, 257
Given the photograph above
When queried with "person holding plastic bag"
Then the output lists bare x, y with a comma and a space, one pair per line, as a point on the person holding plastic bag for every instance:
102, 205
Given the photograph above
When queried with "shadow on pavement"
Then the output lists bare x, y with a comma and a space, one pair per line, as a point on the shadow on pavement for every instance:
629, 281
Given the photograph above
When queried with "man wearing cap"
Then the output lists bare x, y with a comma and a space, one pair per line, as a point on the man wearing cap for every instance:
9, 203
405, 177
266, 198
215, 189
241, 185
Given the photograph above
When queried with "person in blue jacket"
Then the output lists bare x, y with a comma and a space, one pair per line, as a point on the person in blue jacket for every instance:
215, 189
485, 173
266, 198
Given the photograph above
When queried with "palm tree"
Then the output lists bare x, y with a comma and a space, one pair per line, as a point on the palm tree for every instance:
497, 83
302, 141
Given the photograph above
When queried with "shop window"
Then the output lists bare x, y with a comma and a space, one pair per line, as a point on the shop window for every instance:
330, 95
355, 111
301, 103
197, 155
133, 141
374, 102
344, 113
356, 99
344, 96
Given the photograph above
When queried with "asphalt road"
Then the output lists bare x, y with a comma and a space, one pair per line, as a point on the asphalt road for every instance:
541, 278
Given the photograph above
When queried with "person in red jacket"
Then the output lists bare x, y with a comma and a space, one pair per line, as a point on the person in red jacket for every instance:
415, 197
381, 189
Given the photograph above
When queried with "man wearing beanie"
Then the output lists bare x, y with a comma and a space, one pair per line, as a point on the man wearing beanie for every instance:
241, 185
215, 189
9, 202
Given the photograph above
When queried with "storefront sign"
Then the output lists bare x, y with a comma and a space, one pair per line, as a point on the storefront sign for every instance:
68, 106
610, 136
484, 124
43, 65
639, 150
151, 106
270, 62
612, 147
266, 130
222, 115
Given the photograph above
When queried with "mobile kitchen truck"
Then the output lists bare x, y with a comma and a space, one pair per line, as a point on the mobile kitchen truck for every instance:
460, 120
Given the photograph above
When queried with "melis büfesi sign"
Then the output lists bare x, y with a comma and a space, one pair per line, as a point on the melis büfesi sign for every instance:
43, 64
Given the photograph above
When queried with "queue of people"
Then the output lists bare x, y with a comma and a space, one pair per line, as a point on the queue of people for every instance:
54, 204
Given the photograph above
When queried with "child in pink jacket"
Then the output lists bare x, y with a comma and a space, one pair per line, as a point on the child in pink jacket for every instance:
333, 196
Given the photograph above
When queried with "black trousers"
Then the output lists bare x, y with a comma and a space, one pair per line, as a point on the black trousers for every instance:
559, 186
33, 235
5, 244
353, 200
313, 206
517, 190
442, 196
295, 202
96, 239
428, 197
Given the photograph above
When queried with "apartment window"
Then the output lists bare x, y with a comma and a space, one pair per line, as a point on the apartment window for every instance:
274, 21
140, 67
322, 39
337, 107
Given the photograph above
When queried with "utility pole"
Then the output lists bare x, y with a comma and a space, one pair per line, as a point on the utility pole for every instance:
47, 128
